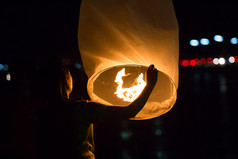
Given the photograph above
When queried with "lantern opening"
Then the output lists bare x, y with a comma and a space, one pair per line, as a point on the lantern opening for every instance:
102, 86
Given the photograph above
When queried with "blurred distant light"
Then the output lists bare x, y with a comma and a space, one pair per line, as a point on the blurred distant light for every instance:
203, 61
222, 61
5, 67
223, 88
125, 135
204, 41
185, 63
8, 77
216, 61
193, 62
236, 58
234, 40
196, 76
207, 76
158, 132
78, 66
181, 62
209, 60
218, 38
194, 42
197, 60
1, 67
231, 59
161, 155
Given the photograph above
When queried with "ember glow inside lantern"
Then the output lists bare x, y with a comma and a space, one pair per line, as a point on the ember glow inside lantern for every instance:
118, 40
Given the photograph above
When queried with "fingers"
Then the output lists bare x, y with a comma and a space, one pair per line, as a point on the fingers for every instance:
152, 74
152, 67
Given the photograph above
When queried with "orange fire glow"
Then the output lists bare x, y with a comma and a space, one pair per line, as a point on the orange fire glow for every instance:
131, 93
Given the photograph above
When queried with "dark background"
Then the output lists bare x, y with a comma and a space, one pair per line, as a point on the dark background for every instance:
202, 123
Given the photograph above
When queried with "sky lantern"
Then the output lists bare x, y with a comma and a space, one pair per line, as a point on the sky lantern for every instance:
118, 40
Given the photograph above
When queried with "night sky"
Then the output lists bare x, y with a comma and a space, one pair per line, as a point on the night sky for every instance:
36, 28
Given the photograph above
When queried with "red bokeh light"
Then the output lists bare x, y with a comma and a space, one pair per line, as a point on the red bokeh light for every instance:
203, 61
236, 58
197, 60
185, 63
193, 62
209, 60
181, 62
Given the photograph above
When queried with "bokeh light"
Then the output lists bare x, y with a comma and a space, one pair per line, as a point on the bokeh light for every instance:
125, 135
185, 63
234, 40
5, 67
158, 132
1, 67
209, 60
218, 38
204, 41
194, 42
197, 60
216, 61
193, 62
231, 59
203, 61
77, 65
8, 77
236, 58
222, 61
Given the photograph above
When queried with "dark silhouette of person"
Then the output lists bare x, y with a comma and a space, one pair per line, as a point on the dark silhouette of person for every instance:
66, 126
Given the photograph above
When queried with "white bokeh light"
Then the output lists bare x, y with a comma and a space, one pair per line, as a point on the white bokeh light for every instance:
216, 61
231, 59
222, 61
8, 77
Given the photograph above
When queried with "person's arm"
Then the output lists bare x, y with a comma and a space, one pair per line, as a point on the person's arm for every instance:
100, 112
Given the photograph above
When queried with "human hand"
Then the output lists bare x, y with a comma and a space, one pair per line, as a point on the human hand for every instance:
152, 74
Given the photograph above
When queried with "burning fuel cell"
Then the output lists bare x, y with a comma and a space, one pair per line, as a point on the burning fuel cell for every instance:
133, 91
118, 40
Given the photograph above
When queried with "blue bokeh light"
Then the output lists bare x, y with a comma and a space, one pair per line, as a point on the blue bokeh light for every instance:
125, 135
1, 67
78, 66
158, 132
5, 67
194, 42
218, 38
204, 41
234, 40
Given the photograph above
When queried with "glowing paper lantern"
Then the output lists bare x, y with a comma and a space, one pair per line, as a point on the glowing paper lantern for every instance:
116, 35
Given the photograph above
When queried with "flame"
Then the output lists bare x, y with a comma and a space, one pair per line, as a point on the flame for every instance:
131, 93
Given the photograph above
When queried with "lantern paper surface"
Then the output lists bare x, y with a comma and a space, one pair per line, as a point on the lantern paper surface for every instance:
130, 34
